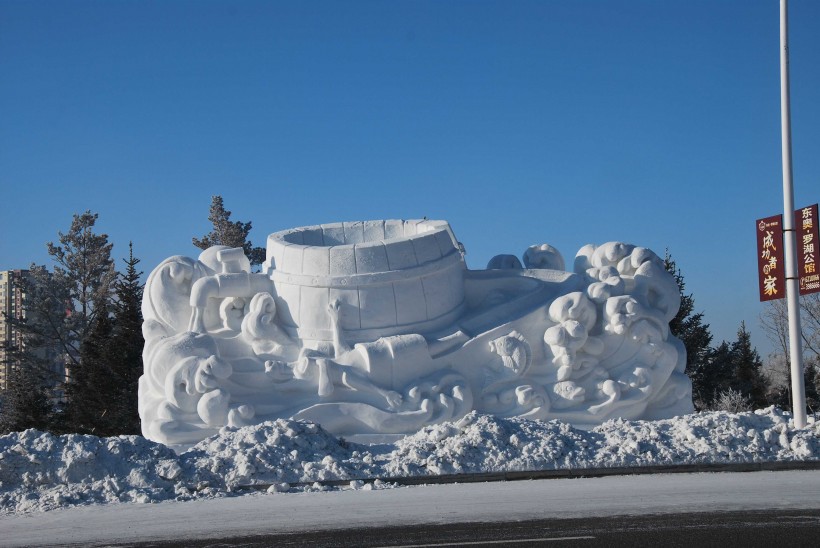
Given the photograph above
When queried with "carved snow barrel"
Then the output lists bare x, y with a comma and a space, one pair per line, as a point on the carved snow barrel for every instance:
391, 277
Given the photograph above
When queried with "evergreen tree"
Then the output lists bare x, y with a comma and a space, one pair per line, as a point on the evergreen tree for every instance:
89, 392
716, 376
84, 269
126, 349
229, 233
62, 306
26, 401
688, 326
102, 395
747, 369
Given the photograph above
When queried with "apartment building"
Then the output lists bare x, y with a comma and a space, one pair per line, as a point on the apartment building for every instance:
12, 306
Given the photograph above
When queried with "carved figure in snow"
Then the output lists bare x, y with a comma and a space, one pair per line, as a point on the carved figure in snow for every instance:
329, 373
234, 280
610, 391
575, 351
514, 351
525, 400
566, 394
260, 329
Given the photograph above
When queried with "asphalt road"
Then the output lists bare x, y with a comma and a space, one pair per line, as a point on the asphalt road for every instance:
724, 529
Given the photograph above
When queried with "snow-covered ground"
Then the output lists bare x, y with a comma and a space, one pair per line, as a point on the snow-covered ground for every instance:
40, 472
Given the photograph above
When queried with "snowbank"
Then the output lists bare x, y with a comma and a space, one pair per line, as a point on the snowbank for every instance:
40, 471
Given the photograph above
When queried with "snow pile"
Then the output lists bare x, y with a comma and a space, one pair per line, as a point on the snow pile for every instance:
40, 471
482, 443
282, 451
712, 438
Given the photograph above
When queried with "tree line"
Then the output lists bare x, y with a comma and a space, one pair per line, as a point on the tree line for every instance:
732, 376
79, 367
81, 344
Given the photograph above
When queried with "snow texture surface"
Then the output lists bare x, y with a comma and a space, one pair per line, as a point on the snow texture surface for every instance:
40, 471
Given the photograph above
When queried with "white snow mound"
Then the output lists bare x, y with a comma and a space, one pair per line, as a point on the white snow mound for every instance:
40, 471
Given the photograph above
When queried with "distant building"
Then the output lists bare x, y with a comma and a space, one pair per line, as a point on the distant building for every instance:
12, 306
13, 301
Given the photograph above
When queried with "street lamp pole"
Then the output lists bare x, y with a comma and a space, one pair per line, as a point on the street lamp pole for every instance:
789, 234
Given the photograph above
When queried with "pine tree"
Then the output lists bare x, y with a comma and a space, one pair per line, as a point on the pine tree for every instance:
747, 368
62, 306
229, 233
26, 402
62, 309
89, 392
102, 395
690, 329
716, 376
83, 258
83, 276
126, 349
85, 268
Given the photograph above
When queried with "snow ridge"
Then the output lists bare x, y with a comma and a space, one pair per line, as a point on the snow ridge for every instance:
40, 471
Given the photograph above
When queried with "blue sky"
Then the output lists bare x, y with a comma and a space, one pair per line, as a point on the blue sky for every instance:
651, 122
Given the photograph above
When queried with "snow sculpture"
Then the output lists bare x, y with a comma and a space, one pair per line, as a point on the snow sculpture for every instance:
378, 327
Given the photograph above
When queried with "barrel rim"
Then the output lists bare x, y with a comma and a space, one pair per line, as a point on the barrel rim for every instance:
435, 226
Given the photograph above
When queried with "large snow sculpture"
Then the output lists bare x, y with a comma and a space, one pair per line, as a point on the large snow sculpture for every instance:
378, 327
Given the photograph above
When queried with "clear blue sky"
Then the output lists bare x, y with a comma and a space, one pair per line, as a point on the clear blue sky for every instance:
565, 122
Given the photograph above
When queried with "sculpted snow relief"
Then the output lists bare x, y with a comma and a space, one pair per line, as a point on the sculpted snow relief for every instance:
378, 327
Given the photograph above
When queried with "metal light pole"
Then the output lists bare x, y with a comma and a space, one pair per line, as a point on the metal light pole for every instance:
789, 234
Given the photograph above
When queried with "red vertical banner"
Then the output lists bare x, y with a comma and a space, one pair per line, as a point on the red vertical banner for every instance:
770, 266
805, 225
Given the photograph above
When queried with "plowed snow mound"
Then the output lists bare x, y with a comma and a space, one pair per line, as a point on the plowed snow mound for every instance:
40, 471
